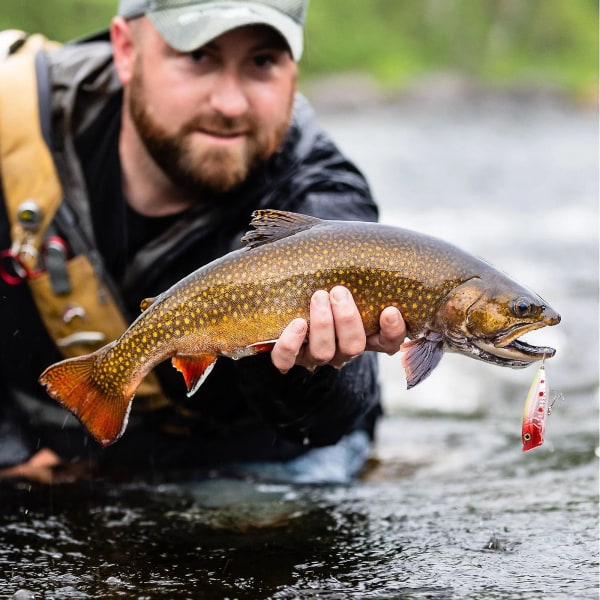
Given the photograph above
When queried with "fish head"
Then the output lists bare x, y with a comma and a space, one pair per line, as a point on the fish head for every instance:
486, 317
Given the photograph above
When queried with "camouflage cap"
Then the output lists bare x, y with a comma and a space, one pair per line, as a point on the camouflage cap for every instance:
186, 25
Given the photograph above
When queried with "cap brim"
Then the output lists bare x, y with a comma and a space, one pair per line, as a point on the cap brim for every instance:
187, 28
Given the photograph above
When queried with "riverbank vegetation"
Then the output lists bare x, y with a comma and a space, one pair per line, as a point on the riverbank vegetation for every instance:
397, 41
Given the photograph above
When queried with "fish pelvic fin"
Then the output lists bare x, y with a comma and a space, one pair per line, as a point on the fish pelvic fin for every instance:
194, 368
103, 412
420, 356
271, 225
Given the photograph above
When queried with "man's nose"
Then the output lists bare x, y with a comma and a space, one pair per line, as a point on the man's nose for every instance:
228, 96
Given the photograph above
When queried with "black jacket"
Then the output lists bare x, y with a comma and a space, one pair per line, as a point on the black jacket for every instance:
245, 409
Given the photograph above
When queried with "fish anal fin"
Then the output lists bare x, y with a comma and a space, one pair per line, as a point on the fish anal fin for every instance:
104, 411
265, 346
420, 356
271, 225
146, 303
194, 368
251, 349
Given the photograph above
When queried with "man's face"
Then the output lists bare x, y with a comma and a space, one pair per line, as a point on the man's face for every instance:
209, 117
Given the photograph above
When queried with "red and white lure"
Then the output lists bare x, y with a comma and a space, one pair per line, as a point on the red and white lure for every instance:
535, 411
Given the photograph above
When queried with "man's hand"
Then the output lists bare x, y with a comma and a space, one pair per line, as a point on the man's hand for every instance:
45, 466
37, 468
336, 333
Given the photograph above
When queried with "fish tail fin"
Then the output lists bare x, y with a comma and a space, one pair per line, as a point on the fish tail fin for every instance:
104, 411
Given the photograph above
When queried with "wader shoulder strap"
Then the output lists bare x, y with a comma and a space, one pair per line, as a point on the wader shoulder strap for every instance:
26, 165
79, 313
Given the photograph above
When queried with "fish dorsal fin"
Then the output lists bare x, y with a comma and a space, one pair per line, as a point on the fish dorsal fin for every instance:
145, 303
271, 225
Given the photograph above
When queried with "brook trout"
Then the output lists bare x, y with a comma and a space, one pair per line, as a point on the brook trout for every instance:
238, 305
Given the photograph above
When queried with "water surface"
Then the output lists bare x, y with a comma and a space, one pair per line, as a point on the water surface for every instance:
450, 507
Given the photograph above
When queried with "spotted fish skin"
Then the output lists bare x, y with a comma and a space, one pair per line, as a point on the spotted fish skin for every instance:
239, 304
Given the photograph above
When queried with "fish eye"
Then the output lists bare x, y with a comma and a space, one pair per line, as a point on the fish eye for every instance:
526, 436
522, 307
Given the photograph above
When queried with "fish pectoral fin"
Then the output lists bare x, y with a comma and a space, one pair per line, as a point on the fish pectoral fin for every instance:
194, 368
271, 225
146, 303
421, 356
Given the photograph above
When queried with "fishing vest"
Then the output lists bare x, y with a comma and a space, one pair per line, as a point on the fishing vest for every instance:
49, 252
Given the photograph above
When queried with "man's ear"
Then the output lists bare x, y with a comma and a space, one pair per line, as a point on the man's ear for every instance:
121, 37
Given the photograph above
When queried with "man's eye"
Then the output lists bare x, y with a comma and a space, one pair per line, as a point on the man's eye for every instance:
264, 60
197, 55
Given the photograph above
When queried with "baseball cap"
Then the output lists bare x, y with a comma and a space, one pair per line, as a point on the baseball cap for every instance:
187, 25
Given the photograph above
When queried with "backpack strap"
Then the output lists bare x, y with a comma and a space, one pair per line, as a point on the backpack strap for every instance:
32, 189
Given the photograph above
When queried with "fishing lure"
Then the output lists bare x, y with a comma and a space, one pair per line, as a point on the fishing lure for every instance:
535, 411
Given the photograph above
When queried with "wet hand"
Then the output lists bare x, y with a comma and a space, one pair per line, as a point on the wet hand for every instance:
38, 468
336, 333
45, 466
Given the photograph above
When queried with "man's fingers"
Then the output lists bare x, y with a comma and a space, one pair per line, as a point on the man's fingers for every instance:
336, 334
289, 344
349, 328
392, 333
321, 338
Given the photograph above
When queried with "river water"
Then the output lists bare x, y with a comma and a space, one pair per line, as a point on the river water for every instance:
450, 507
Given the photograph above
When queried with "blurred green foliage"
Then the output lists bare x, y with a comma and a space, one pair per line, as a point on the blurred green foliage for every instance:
553, 41
61, 20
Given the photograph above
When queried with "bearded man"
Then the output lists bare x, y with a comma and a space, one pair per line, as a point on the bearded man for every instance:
166, 133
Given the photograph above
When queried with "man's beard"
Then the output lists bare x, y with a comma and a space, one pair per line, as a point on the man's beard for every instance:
208, 170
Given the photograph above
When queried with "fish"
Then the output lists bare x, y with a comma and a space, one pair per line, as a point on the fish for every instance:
239, 304
535, 411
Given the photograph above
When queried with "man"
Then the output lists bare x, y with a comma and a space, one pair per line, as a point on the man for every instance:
166, 140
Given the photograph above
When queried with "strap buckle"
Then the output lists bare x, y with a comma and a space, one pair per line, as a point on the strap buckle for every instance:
13, 269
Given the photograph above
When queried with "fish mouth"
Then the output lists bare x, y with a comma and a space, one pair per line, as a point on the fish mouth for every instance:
507, 349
